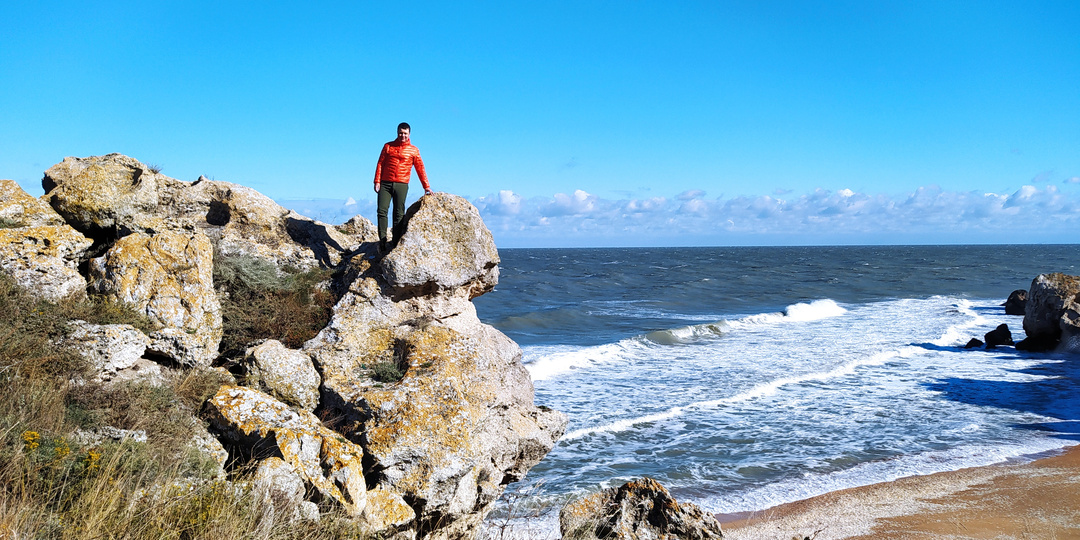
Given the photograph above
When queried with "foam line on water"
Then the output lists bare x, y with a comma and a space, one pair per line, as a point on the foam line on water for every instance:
812, 485
759, 391
957, 333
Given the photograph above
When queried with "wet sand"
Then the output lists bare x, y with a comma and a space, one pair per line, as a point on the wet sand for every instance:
1040, 499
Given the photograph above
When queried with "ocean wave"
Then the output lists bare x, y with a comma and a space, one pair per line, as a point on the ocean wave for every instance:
801, 312
547, 362
758, 391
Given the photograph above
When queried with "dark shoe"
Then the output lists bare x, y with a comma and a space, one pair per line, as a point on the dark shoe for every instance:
382, 246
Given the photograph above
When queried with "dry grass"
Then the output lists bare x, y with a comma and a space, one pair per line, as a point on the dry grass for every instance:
259, 303
52, 486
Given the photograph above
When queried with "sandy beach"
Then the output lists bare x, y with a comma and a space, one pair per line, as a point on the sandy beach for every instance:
1039, 499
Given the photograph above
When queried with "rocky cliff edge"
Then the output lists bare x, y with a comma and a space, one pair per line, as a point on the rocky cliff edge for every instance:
424, 453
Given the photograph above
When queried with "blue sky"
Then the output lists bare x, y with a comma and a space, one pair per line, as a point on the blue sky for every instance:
582, 123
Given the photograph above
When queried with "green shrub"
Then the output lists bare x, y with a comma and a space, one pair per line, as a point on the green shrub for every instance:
262, 303
8, 223
386, 372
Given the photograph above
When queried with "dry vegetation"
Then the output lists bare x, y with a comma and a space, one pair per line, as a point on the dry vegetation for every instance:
54, 486
259, 302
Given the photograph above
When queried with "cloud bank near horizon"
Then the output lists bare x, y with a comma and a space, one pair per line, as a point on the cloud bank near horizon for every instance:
928, 215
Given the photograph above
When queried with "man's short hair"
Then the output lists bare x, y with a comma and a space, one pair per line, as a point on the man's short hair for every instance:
404, 125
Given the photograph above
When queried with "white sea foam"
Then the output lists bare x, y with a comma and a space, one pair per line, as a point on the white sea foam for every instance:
812, 485
547, 362
759, 391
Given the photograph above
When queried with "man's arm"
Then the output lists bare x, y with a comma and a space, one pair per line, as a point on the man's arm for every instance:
378, 168
421, 173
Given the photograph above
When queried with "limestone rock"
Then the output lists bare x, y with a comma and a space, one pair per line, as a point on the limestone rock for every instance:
1016, 303
110, 348
36, 248
108, 197
284, 373
104, 193
208, 445
259, 425
19, 209
459, 426
998, 336
1052, 315
279, 488
638, 510
360, 228
169, 277
445, 246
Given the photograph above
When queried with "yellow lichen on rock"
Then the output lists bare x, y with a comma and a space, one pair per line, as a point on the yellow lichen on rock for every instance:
169, 277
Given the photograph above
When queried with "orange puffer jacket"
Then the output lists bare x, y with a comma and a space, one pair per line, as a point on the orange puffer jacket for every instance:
396, 162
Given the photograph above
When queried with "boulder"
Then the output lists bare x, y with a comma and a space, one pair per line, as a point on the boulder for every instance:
108, 197
169, 277
460, 423
110, 348
283, 373
259, 426
445, 246
37, 249
1016, 303
280, 490
1052, 315
998, 336
638, 510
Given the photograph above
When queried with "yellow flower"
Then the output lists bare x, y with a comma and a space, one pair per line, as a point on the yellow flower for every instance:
92, 461
62, 450
32, 439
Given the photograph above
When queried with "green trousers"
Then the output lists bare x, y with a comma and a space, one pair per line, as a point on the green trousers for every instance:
396, 192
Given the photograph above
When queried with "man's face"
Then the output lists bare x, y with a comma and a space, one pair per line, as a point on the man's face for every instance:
403, 135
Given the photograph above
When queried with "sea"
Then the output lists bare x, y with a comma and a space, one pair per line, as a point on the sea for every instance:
746, 377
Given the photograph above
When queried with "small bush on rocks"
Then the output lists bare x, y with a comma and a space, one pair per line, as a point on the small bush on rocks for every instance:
259, 302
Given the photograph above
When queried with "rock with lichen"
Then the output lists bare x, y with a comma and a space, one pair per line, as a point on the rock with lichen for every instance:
638, 510
167, 277
111, 196
460, 423
284, 373
37, 249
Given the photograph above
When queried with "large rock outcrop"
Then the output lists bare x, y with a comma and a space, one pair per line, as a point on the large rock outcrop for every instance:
169, 277
429, 412
111, 196
1052, 313
461, 423
37, 249
638, 510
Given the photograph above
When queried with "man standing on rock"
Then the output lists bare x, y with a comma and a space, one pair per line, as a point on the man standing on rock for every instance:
392, 180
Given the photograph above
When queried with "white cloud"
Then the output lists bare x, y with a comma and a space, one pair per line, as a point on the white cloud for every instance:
690, 195
577, 204
1072, 180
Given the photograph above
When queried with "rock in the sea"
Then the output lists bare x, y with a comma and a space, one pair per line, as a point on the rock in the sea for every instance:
284, 373
998, 336
1016, 303
110, 348
445, 246
108, 197
37, 249
169, 277
974, 343
1052, 316
638, 510
460, 423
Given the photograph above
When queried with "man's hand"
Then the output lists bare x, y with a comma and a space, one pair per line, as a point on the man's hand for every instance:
377, 186
427, 192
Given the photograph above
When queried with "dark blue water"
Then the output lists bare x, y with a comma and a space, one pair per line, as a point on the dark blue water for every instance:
747, 377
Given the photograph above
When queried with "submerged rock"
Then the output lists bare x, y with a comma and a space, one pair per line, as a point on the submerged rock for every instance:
638, 510
998, 336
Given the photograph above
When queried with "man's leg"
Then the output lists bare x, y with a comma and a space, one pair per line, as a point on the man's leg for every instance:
400, 192
386, 192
